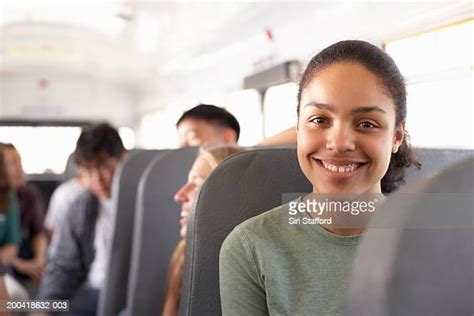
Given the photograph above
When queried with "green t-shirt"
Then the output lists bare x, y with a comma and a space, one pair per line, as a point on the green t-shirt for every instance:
10, 223
268, 266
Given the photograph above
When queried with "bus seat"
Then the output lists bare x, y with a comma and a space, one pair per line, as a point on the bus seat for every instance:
124, 192
435, 159
156, 231
417, 257
241, 187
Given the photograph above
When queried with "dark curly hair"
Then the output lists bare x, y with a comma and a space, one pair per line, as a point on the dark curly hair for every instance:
383, 66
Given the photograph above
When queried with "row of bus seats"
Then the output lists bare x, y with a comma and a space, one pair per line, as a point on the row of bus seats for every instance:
124, 191
146, 226
241, 187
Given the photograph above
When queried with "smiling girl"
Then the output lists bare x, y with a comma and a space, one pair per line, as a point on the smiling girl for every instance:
351, 142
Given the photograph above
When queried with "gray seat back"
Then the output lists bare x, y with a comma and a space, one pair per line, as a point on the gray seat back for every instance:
156, 231
417, 258
124, 192
241, 187
435, 159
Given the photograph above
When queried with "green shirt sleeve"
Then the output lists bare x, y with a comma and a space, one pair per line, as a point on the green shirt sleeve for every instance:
12, 235
241, 285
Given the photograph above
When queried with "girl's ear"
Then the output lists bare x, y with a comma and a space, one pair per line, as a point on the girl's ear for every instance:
398, 137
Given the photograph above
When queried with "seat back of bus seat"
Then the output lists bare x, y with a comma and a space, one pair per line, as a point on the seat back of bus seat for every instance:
417, 257
156, 231
124, 193
435, 159
241, 187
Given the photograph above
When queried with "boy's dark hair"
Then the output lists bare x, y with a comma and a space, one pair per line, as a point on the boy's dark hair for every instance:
213, 115
383, 66
97, 140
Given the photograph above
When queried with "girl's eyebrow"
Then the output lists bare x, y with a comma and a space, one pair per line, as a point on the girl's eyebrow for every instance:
321, 106
362, 109
366, 109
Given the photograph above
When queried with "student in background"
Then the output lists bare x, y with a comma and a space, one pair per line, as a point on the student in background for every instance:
31, 260
76, 270
61, 200
207, 124
207, 160
9, 230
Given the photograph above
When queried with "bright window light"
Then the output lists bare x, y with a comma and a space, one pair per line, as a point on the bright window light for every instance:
438, 68
158, 131
279, 108
245, 105
43, 150
128, 137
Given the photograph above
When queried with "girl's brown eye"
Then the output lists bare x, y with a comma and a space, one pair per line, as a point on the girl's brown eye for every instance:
318, 120
367, 125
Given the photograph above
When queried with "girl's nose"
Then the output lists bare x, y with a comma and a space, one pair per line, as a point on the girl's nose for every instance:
340, 139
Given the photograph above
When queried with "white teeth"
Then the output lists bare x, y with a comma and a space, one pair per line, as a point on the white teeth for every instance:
334, 168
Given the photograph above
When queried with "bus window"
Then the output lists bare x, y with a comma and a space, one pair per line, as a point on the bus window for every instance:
128, 137
279, 108
158, 130
438, 68
246, 107
43, 149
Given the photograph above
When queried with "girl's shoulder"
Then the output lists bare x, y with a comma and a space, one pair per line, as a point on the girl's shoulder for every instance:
266, 221
13, 202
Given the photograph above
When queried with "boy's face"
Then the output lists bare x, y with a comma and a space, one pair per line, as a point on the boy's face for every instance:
99, 174
197, 132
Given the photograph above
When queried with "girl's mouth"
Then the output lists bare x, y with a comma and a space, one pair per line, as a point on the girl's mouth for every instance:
339, 169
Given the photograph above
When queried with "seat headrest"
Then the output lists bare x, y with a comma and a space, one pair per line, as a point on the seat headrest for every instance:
417, 256
243, 186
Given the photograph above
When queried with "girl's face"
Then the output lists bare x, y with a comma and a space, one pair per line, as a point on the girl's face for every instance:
346, 130
200, 170
14, 168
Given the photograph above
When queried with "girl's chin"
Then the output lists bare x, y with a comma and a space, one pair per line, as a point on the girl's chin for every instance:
182, 232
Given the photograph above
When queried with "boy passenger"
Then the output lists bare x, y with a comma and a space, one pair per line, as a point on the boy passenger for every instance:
61, 200
351, 142
77, 267
207, 124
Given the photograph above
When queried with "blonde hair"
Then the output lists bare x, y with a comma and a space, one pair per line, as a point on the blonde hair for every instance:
215, 154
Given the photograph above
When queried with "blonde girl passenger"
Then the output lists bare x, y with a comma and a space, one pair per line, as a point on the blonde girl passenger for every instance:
208, 158
351, 145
